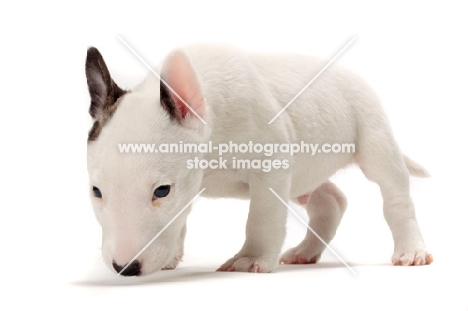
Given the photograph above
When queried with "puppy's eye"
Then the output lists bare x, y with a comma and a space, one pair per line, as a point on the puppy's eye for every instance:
97, 192
161, 192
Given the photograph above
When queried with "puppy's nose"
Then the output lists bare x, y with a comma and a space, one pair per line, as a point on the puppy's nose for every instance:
132, 270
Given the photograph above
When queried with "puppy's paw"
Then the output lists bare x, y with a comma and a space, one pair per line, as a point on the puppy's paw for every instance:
173, 263
249, 264
417, 257
307, 252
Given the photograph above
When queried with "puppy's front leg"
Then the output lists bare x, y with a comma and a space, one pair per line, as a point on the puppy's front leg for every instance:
179, 252
266, 225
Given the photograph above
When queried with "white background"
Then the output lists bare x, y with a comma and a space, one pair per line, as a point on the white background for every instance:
415, 56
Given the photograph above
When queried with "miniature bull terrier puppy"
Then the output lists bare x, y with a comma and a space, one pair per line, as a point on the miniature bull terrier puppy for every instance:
218, 93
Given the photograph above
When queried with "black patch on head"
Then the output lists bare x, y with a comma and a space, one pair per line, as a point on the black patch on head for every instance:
94, 131
168, 103
103, 90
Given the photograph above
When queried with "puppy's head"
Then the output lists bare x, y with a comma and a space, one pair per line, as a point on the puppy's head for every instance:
136, 194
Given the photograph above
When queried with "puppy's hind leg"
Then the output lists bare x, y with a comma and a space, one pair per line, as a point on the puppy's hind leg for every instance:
325, 208
381, 161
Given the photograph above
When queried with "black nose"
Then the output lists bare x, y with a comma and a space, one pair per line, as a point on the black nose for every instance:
132, 270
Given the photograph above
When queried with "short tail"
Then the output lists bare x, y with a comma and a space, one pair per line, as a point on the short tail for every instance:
415, 169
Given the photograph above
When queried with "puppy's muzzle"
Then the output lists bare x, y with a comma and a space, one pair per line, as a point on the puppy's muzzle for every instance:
133, 269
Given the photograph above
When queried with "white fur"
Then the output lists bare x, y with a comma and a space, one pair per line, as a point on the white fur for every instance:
242, 93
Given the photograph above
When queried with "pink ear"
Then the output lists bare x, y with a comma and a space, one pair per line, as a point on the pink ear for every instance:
183, 89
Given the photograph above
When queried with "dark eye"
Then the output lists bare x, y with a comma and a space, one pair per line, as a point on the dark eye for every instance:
161, 191
97, 192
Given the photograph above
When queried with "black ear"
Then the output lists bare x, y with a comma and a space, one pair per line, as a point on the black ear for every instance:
103, 90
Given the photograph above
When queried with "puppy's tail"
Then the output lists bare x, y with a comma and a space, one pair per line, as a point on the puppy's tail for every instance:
415, 169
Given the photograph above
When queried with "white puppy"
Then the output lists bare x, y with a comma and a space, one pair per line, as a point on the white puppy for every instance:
135, 195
